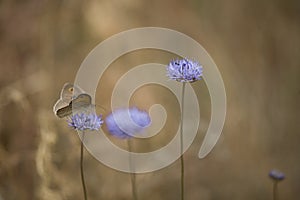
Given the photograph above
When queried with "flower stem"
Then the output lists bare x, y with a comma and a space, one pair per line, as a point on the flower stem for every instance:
275, 190
132, 174
181, 142
81, 168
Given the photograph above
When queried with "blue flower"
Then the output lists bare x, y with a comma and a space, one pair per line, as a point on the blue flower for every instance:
276, 175
83, 121
125, 123
184, 70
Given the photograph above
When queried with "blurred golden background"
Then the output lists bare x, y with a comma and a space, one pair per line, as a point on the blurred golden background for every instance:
256, 45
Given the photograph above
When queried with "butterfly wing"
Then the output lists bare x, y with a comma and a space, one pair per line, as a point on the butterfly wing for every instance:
82, 100
60, 104
70, 91
82, 103
64, 112
67, 94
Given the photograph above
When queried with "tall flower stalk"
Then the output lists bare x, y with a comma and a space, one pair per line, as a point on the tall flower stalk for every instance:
81, 167
184, 71
82, 122
276, 177
132, 175
124, 124
181, 141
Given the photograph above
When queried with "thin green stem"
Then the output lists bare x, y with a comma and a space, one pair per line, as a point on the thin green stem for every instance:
81, 168
275, 190
181, 142
132, 174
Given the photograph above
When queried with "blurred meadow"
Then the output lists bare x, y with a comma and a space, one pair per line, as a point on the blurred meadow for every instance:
256, 46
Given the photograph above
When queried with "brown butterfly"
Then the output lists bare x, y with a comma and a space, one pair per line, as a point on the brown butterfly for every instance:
72, 100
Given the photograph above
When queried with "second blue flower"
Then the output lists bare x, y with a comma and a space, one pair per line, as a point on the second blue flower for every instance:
126, 122
184, 70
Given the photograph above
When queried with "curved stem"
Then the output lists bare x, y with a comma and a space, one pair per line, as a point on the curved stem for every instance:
81, 168
132, 174
181, 142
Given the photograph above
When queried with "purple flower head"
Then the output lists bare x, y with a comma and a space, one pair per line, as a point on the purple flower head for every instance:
125, 123
83, 121
276, 175
184, 70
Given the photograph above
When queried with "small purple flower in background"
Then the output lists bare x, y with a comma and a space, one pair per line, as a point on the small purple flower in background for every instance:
184, 70
85, 121
124, 123
276, 175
